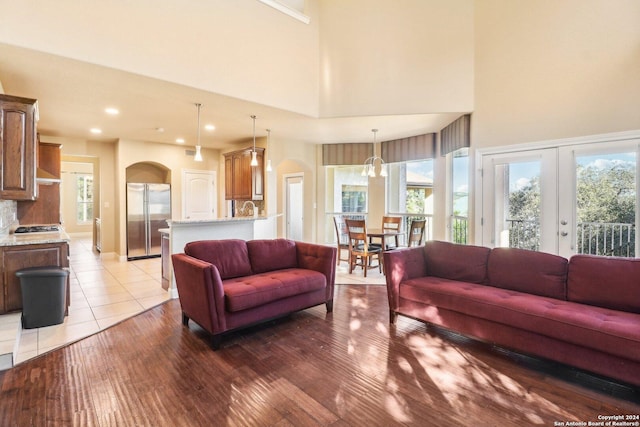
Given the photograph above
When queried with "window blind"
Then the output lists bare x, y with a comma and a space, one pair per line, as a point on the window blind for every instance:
455, 136
418, 147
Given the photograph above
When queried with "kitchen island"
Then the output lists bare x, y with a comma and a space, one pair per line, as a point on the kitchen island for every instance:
182, 232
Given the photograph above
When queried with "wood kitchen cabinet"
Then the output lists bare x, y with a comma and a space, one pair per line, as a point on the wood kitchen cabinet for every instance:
241, 180
14, 258
46, 209
18, 148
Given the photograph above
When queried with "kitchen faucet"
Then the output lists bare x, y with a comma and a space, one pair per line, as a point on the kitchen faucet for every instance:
253, 208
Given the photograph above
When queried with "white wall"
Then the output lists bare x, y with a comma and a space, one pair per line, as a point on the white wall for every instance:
240, 48
550, 69
396, 57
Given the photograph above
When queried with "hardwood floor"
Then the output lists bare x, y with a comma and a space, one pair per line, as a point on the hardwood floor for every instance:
347, 368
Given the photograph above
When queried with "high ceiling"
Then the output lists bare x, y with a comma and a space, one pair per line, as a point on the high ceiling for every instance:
73, 95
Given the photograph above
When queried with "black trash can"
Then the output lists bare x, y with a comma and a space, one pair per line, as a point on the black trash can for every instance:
44, 296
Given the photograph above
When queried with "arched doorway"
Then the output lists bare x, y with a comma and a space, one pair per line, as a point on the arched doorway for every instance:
148, 207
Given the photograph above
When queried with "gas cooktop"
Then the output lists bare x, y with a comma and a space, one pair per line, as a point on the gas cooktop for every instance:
37, 228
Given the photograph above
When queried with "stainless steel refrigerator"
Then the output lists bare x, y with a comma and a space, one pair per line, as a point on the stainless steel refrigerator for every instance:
148, 208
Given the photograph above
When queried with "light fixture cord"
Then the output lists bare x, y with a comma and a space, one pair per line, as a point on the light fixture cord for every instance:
254, 133
198, 105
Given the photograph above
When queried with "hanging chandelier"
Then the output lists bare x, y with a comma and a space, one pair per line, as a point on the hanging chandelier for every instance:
369, 168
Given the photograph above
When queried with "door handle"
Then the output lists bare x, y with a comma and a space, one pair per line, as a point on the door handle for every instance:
564, 234
563, 222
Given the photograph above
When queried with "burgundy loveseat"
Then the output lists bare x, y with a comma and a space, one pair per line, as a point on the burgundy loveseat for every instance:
583, 312
229, 284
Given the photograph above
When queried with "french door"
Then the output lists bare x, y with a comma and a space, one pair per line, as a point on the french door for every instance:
573, 198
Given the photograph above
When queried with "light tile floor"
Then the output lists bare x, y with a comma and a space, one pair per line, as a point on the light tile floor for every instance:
104, 291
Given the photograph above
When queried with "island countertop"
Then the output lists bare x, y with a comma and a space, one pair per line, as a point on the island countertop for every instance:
13, 239
219, 220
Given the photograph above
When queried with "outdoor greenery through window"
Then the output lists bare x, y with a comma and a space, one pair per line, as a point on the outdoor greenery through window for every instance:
84, 199
606, 204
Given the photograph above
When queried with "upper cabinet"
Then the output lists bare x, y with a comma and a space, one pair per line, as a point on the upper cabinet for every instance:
46, 209
18, 117
243, 181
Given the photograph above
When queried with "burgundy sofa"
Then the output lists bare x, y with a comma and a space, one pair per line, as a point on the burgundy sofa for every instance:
583, 312
229, 284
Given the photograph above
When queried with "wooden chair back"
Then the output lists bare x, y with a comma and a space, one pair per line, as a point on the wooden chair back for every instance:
342, 237
392, 223
357, 231
416, 232
360, 251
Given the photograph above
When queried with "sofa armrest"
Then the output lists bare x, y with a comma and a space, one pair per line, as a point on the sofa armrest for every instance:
400, 265
200, 291
319, 258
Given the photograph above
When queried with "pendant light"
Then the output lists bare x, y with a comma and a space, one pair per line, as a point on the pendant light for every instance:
254, 153
369, 168
268, 155
198, 156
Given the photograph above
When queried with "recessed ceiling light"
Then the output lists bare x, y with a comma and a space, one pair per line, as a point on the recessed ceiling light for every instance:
112, 111
209, 127
180, 140
95, 130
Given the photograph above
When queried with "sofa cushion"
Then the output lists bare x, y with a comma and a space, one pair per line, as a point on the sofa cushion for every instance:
229, 256
609, 282
466, 263
242, 293
602, 329
533, 272
272, 254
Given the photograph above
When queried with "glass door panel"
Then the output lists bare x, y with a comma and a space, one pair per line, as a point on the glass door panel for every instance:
522, 202
598, 211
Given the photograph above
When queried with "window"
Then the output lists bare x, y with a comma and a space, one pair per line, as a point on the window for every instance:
346, 193
410, 187
84, 199
354, 198
410, 191
346, 189
459, 196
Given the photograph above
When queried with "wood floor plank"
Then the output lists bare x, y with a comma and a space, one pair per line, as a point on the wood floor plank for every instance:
346, 368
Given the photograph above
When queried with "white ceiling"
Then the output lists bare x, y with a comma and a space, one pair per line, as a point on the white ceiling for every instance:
72, 97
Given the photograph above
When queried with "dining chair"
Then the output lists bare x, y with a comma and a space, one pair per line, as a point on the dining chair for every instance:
342, 237
416, 232
392, 223
360, 251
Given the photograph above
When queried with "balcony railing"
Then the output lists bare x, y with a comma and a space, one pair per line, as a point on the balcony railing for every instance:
459, 229
593, 238
606, 238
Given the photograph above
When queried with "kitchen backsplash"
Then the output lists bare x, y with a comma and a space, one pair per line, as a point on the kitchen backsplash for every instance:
244, 208
8, 215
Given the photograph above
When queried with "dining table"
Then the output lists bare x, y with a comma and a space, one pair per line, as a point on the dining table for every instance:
383, 234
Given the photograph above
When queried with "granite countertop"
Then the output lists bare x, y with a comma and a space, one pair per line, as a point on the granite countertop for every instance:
34, 238
227, 219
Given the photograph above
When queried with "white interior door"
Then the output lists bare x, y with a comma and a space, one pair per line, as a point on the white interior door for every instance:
294, 215
199, 195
